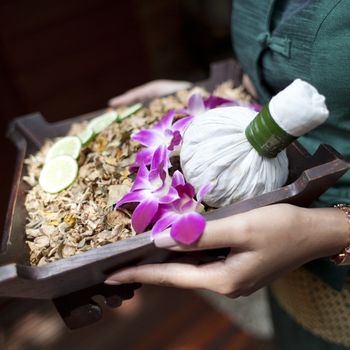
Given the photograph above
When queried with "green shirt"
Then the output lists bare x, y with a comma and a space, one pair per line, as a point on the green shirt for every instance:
277, 41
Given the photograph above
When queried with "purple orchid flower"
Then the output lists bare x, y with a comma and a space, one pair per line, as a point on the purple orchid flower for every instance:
165, 133
187, 225
198, 105
255, 106
217, 101
150, 189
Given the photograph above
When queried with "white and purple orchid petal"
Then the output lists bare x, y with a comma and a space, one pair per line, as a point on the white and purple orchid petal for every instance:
160, 159
181, 111
147, 137
187, 204
196, 105
255, 107
132, 197
166, 122
164, 222
154, 179
162, 210
170, 197
216, 101
188, 229
168, 133
143, 156
143, 214
177, 179
157, 180
141, 181
203, 191
182, 124
175, 141
185, 191
163, 173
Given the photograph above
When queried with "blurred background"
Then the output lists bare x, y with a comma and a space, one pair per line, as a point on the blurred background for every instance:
66, 58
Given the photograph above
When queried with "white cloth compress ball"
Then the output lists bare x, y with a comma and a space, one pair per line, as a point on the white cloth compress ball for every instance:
216, 148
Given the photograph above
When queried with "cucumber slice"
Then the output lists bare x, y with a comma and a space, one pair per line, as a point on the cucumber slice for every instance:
69, 146
129, 111
101, 122
86, 136
58, 174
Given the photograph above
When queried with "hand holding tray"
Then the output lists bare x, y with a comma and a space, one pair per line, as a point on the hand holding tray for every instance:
71, 282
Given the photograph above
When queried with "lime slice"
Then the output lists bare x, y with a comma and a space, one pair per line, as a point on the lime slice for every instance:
86, 136
129, 111
100, 123
69, 146
58, 174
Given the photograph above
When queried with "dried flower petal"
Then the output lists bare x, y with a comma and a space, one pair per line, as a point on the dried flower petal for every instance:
42, 241
69, 219
116, 192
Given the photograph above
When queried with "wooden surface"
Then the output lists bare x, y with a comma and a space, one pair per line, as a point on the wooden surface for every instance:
310, 176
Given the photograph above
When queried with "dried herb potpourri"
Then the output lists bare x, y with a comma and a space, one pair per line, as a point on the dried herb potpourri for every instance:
82, 217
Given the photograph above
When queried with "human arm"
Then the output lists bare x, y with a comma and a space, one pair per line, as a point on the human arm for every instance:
157, 88
152, 89
265, 244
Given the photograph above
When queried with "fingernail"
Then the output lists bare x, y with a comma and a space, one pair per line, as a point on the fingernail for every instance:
112, 282
164, 240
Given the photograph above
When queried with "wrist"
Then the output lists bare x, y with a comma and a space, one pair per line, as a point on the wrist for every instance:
343, 257
328, 229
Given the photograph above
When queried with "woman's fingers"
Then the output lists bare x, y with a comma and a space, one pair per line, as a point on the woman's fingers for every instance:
149, 90
129, 97
125, 99
229, 232
211, 276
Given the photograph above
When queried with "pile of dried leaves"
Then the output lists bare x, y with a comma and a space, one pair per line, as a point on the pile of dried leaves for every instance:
82, 217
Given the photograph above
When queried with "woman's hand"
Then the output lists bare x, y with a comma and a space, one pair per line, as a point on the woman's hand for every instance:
153, 89
265, 244
157, 88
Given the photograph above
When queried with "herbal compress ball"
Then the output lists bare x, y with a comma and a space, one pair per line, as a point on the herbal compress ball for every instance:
241, 152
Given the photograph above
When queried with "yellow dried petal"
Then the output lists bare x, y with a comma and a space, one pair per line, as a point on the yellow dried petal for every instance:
110, 161
124, 173
118, 154
69, 219
100, 144
54, 222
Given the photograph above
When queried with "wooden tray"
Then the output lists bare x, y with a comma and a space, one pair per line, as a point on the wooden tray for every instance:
73, 281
